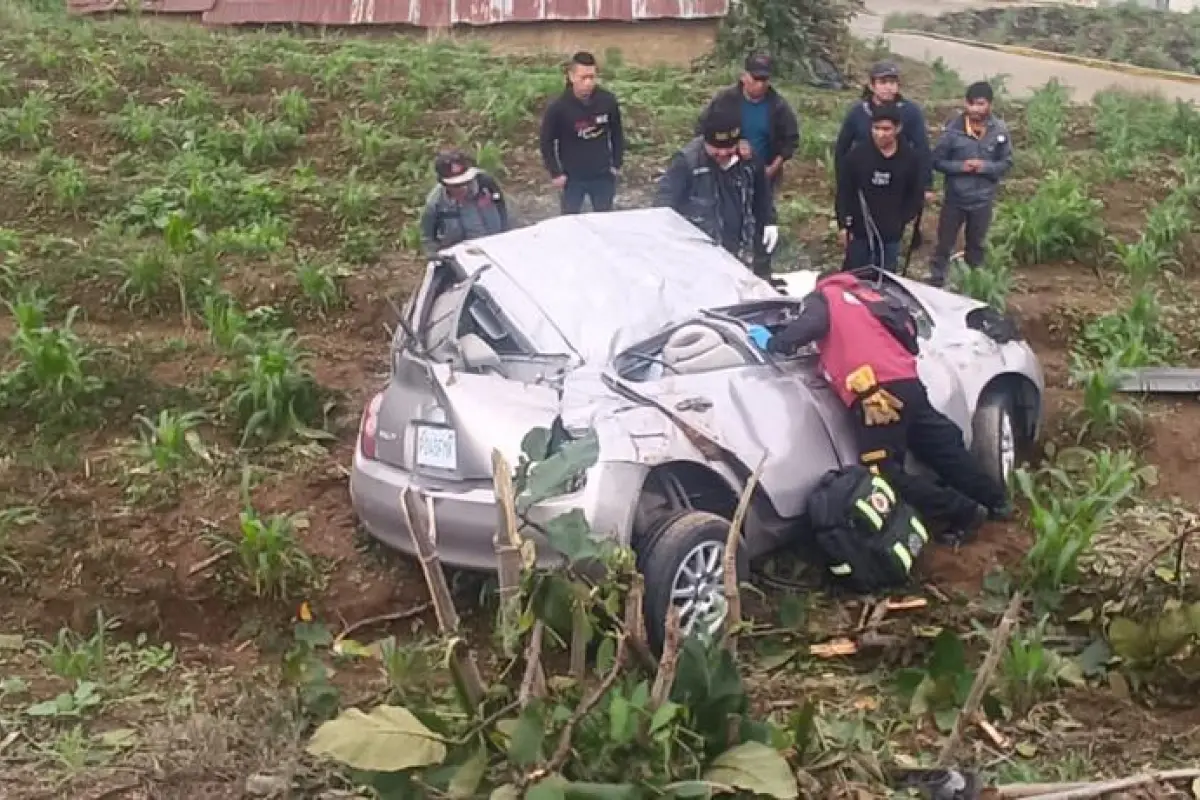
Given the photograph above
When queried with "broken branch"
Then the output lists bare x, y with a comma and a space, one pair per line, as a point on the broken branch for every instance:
563, 750
394, 616
982, 679
507, 543
733, 595
1144, 565
664, 678
532, 685
1100, 788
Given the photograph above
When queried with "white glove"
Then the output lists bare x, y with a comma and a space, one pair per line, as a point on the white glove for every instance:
770, 237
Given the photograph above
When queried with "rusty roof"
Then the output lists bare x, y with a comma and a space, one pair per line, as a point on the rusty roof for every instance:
418, 13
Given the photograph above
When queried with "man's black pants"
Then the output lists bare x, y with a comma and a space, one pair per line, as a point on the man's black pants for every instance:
977, 221
601, 190
938, 443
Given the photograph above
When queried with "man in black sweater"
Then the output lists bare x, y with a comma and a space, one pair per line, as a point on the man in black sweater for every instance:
881, 188
583, 144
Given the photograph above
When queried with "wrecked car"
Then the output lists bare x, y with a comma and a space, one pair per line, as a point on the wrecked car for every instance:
633, 325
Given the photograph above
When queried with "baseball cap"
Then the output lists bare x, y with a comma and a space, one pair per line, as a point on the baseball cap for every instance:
759, 65
885, 69
722, 128
453, 168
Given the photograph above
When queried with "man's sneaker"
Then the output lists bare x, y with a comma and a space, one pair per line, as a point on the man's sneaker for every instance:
957, 535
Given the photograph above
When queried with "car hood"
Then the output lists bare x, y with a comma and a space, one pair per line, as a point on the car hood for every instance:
592, 284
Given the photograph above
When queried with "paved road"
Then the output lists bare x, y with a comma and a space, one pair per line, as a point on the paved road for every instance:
1025, 74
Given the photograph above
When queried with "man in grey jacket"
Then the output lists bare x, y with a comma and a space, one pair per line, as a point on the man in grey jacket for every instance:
466, 203
974, 153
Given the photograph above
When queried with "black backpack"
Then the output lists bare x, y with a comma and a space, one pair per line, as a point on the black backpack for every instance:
866, 535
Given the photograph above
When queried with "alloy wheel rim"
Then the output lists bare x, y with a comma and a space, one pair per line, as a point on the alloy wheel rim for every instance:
698, 590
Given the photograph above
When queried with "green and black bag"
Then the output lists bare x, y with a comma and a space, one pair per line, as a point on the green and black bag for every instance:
867, 536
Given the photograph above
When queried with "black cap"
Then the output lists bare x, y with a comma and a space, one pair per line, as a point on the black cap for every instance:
885, 69
722, 128
759, 66
454, 168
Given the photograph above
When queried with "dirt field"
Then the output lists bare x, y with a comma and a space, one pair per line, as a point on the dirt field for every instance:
178, 187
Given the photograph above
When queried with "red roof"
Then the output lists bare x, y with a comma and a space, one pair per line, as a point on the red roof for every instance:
418, 13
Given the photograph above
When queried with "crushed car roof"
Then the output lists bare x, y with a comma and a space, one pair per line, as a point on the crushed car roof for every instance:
598, 282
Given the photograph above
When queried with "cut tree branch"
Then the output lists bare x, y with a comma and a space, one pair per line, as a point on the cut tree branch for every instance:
1101, 788
1142, 566
563, 750
982, 678
733, 593
423, 526
664, 678
507, 543
532, 684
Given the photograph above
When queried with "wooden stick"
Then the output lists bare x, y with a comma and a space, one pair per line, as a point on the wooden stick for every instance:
982, 679
1100, 788
1140, 568
423, 526
733, 594
579, 641
531, 686
200, 566
664, 678
506, 541
394, 616
563, 750
1017, 791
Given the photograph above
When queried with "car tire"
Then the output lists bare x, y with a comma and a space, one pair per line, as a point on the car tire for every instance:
687, 537
994, 435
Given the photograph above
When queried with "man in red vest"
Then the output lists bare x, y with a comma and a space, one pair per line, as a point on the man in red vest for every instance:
868, 348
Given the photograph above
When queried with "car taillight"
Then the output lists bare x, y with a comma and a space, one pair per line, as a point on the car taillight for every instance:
369, 426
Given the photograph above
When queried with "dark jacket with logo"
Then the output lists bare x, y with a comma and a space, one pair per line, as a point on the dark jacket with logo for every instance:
892, 188
856, 127
583, 140
972, 190
731, 206
785, 127
445, 222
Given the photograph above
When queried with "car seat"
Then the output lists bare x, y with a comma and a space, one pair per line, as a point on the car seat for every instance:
698, 348
479, 356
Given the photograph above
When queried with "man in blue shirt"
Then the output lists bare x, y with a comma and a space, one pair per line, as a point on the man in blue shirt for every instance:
770, 130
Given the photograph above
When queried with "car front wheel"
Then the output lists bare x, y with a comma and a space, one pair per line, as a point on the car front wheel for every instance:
683, 563
994, 437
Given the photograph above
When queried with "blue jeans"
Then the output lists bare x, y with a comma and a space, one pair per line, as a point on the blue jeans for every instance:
602, 191
858, 254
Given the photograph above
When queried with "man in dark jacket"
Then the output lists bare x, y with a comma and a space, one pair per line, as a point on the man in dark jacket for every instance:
880, 190
769, 126
974, 153
884, 87
868, 348
465, 204
583, 142
721, 193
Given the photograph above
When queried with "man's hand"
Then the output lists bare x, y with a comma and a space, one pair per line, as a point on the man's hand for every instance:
843, 237
930, 196
973, 165
559, 182
773, 168
745, 150
616, 171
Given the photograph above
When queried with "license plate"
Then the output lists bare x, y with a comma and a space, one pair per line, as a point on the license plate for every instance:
437, 448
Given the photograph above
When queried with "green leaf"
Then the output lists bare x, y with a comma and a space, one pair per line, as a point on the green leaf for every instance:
551, 788
577, 790
525, 748
1129, 640
505, 792
1094, 658
571, 535
466, 780
550, 477
949, 657
754, 767
388, 739
774, 661
619, 730
663, 716
944, 718
689, 789
536, 444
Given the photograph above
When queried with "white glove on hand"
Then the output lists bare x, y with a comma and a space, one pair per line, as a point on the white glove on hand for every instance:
770, 237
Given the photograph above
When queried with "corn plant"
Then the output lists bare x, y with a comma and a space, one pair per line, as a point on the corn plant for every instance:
988, 283
227, 324
274, 393
319, 283
1142, 259
1059, 221
356, 200
267, 557
1102, 412
51, 373
1170, 220
293, 108
30, 125
1045, 118
1069, 505
1029, 669
170, 441
71, 655
1136, 334
10, 518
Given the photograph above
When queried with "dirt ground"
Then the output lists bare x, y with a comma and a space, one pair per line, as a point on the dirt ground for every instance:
101, 543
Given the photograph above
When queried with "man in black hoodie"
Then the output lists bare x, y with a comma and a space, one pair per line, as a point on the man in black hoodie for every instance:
880, 190
583, 143
884, 87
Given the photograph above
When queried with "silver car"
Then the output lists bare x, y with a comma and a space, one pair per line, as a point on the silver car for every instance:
633, 324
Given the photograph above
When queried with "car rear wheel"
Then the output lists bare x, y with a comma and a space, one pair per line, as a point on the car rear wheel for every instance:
994, 437
683, 562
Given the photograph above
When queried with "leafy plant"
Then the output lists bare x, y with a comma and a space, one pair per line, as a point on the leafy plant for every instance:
274, 392
1102, 412
170, 441
941, 687
988, 283
267, 557
1030, 669
51, 373
1060, 220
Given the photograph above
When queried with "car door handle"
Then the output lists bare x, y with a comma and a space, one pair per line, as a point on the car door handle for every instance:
694, 404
